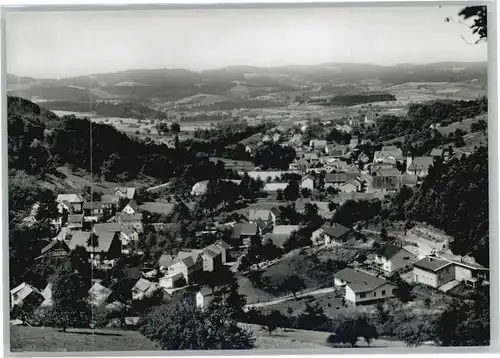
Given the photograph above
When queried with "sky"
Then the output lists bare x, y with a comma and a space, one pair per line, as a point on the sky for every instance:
57, 44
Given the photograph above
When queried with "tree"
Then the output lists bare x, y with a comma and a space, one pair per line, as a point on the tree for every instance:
312, 318
69, 293
93, 241
291, 192
279, 195
271, 321
351, 329
416, 331
175, 128
480, 25
305, 192
383, 234
292, 284
162, 128
184, 327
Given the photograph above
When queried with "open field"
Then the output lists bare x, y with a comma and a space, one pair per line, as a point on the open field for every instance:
44, 339
464, 125
238, 165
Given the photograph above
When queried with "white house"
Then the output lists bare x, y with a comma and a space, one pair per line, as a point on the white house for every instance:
391, 258
203, 298
419, 166
170, 281
307, 182
187, 264
25, 294
143, 289
433, 272
131, 208
361, 287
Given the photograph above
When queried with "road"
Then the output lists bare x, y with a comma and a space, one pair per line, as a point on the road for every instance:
276, 301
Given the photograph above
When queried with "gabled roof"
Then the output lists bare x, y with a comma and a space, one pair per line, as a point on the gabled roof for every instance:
205, 291
469, 265
133, 205
54, 244
222, 244
211, 252
80, 238
432, 264
436, 152
277, 239
70, 198
339, 177
24, 290
165, 260
285, 229
388, 251
130, 218
359, 281
143, 285
421, 163
100, 292
262, 214
75, 219
107, 227
335, 230
244, 229
92, 205
110, 199
128, 192
275, 186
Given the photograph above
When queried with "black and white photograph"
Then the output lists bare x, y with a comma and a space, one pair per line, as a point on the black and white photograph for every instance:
248, 178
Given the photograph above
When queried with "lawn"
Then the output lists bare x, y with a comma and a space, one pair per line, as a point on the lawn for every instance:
44, 339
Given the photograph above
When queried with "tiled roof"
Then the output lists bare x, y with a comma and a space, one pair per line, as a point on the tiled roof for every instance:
285, 229
431, 264
388, 251
71, 198
359, 281
244, 229
421, 163
107, 227
336, 230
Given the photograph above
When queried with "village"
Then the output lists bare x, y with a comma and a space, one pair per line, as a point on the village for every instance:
327, 174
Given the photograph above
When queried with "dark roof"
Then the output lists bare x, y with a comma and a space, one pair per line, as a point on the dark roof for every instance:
55, 244
165, 260
469, 265
75, 219
436, 152
92, 205
244, 229
360, 281
421, 163
431, 264
339, 177
110, 199
386, 182
388, 251
277, 239
335, 230
107, 227
133, 217
79, 238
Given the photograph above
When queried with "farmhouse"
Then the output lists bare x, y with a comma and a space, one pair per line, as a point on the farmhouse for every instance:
273, 187
55, 249
128, 193
268, 217
361, 287
108, 244
203, 298
433, 272
419, 166
75, 222
390, 258
92, 210
307, 182
336, 179
318, 144
110, 202
71, 202
143, 289
469, 272
245, 232
335, 234
131, 208
187, 264
25, 295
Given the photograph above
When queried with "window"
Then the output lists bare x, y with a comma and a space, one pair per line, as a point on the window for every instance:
393, 291
383, 292
406, 258
362, 295
375, 294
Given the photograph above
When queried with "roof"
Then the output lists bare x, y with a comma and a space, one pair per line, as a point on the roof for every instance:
222, 244
436, 152
335, 230
275, 186
24, 290
421, 163
388, 155
130, 217
205, 291
80, 238
318, 143
165, 260
469, 265
311, 156
244, 229
359, 281
285, 229
133, 205
387, 172
386, 182
308, 176
264, 175
339, 177
75, 219
129, 192
54, 244
391, 148
107, 227
388, 251
100, 291
110, 199
142, 285
70, 198
92, 205
211, 252
431, 264
200, 187
262, 214
408, 180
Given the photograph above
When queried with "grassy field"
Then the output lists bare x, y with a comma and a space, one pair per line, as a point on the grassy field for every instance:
238, 165
464, 125
44, 339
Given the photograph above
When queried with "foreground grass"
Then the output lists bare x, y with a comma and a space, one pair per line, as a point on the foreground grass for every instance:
45, 339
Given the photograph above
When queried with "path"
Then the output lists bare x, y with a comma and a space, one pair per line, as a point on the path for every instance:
290, 297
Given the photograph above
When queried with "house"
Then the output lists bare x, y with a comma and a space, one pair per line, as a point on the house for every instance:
436, 153
268, 217
55, 249
128, 193
108, 244
393, 183
391, 258
245, 232
186, 263
369, 120
173, 280
25, 295
311, 158
110, 202
353, 143
211, 257
307, 182
98, 294
165, 261
203, 298
386, 172
285, 229
71, 202
107, 227
433, 271
75, 222
335, 180
388, 155
336, 151
92, 210
363, 158
276, 137
352, 185
144, 289
274, 187
335, 234
419, 166
134, 220
470, 272
200, 188
300, 165
318, 144
128, 235
361, 287
131, 208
